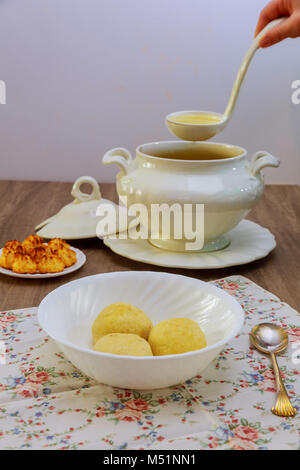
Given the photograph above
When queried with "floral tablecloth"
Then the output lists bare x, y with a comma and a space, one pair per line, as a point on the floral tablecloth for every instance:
46, 403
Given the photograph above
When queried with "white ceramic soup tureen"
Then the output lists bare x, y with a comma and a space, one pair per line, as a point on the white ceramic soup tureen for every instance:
218, 176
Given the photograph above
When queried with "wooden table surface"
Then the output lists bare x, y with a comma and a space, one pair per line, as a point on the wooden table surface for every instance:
25, 204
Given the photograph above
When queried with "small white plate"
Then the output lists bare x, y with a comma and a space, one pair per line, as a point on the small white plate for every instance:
248, 242
81, 259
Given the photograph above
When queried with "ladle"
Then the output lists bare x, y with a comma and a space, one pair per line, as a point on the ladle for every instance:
210, 123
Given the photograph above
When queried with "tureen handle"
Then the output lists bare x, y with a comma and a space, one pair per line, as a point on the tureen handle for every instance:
85, 197
262, 159
120, 157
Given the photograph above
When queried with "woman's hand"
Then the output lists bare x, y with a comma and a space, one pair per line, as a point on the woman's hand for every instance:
290, 28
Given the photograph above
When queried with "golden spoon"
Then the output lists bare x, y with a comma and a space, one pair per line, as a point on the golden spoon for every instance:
271, 339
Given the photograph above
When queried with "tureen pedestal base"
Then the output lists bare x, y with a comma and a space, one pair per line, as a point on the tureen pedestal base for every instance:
180, 247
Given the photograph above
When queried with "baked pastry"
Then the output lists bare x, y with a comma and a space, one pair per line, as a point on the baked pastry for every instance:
31, 242
12, 245
7, 258
9, 255
51, 264
61, 248
58, 244
38, 252
23, 264
67, 256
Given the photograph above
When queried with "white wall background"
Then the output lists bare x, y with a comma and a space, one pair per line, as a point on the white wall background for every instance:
83, 76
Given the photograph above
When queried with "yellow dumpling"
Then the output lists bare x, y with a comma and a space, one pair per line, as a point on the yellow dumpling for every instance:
176, 336
121, 318
124, 344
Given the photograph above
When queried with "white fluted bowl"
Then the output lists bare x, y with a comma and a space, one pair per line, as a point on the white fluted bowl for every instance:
68, 312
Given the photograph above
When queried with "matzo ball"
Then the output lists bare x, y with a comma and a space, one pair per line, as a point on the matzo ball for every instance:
176, 336
121, 318
125, 344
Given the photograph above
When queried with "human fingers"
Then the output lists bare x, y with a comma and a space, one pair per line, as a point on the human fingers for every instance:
289, 28
273, 10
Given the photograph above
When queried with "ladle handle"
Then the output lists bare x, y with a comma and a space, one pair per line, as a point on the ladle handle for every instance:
244, 67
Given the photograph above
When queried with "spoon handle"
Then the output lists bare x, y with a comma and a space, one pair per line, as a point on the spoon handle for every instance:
244, 67
283, 405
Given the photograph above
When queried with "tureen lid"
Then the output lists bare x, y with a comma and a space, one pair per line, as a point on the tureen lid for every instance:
79, 219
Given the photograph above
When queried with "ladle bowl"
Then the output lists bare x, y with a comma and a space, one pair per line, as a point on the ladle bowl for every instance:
195, 131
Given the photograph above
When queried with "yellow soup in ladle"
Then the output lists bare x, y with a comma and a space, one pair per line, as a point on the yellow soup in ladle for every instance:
196, 119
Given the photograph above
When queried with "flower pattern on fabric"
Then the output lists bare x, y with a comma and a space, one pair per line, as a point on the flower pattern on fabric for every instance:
46, 403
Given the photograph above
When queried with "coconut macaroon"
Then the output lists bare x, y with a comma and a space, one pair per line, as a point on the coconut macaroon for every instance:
67, 255
121, 318
38, 252
7, 259
51, 264
58, 244
176, 336
13, 245
31, 242
23, 264
61, 248
9, 254
124, 344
